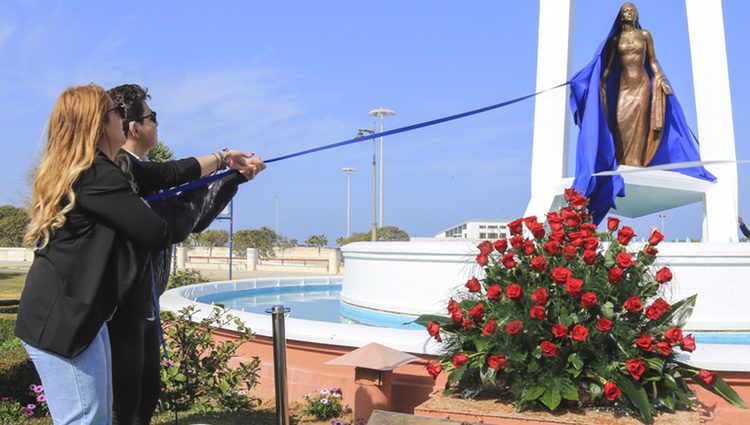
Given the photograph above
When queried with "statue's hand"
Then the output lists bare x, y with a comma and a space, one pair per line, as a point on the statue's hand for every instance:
666, 88
603, 96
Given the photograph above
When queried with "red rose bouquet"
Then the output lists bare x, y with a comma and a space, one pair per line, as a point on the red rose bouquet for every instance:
561, 318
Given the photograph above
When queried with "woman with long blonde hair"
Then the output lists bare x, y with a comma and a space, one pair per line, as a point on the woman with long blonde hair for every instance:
92, 234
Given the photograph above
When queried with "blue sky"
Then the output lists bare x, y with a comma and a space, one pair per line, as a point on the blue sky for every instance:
277, 77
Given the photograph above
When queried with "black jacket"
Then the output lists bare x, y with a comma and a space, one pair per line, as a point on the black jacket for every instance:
76, 281
190, 211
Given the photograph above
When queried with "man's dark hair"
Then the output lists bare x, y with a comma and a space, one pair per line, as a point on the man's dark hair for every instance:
133, 96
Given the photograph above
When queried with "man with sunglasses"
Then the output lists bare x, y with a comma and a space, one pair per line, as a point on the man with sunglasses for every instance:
134, 333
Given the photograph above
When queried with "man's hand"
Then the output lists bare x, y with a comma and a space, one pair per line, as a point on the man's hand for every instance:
741, 220
254, 166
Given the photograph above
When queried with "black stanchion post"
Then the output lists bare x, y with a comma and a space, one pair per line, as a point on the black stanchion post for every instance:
279, 363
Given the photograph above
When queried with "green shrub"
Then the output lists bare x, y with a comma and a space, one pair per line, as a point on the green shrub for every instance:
11, 411
185, 277
324, 404
16, 369
197, 373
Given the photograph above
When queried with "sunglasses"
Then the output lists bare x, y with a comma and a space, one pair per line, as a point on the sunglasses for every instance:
120, 109
151, 116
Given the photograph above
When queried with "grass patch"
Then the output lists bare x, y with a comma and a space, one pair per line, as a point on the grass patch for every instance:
11, 284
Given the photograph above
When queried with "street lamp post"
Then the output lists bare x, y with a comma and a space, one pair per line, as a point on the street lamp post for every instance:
361, 132
348, 171
276, 198
662, 217
382, 113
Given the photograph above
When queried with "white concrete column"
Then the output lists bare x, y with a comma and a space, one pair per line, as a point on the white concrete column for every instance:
334, 259
713, 106
181, 257
549, 155
252, 259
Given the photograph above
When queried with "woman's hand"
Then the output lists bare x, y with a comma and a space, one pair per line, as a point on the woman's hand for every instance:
254, 166
237, 159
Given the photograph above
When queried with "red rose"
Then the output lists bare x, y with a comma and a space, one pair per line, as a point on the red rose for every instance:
636, 367
508, 260
707, 377
588, 300
515, 226
604, 324
434, 369
529, 221
494, 293
688, 343
469, 324
473, 285
539, 263
460, 359
552, 247
570, 193
655, 237
569, 252
644, 342
434, 330
453, 305
514, 327
664, 275
489, 328
612, 223
577, 235
589, 257
591, 242
537, 312
514, 292
577, 242
560, 331
554, 220
579, 333
615, 275
612, 391
673, 335
560, 274
578, 202
537, 229
657, 309
540, 296
549, 349
477, 312
485, 247
517, 241
497, 362
590, 229
625, 260
529, 247
572, 219
501, 245
482, 259
457, 316
574, 286
625, 235
650, 250
633, 304
558, 235
664, 348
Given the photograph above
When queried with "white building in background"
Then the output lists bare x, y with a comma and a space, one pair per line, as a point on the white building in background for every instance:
477, 229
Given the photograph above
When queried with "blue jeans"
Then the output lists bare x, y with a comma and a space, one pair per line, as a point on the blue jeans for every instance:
78, 390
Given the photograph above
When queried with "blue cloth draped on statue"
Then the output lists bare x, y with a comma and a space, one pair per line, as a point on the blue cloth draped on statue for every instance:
595, 150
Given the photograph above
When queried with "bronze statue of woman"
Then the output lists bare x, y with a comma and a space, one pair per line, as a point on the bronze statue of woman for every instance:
638, 121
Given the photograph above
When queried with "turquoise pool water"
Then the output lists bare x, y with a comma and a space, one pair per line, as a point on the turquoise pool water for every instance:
323, 303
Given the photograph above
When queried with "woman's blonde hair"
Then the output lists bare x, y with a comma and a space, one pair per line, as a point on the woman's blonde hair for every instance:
75, 127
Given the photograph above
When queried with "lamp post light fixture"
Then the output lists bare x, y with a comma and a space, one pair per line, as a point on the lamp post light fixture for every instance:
360, 133
382, 113
662, 217
348, 171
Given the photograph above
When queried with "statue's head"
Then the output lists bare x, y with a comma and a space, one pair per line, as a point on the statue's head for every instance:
629, 14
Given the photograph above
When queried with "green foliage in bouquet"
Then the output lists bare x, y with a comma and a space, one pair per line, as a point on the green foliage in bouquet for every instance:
560, 316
